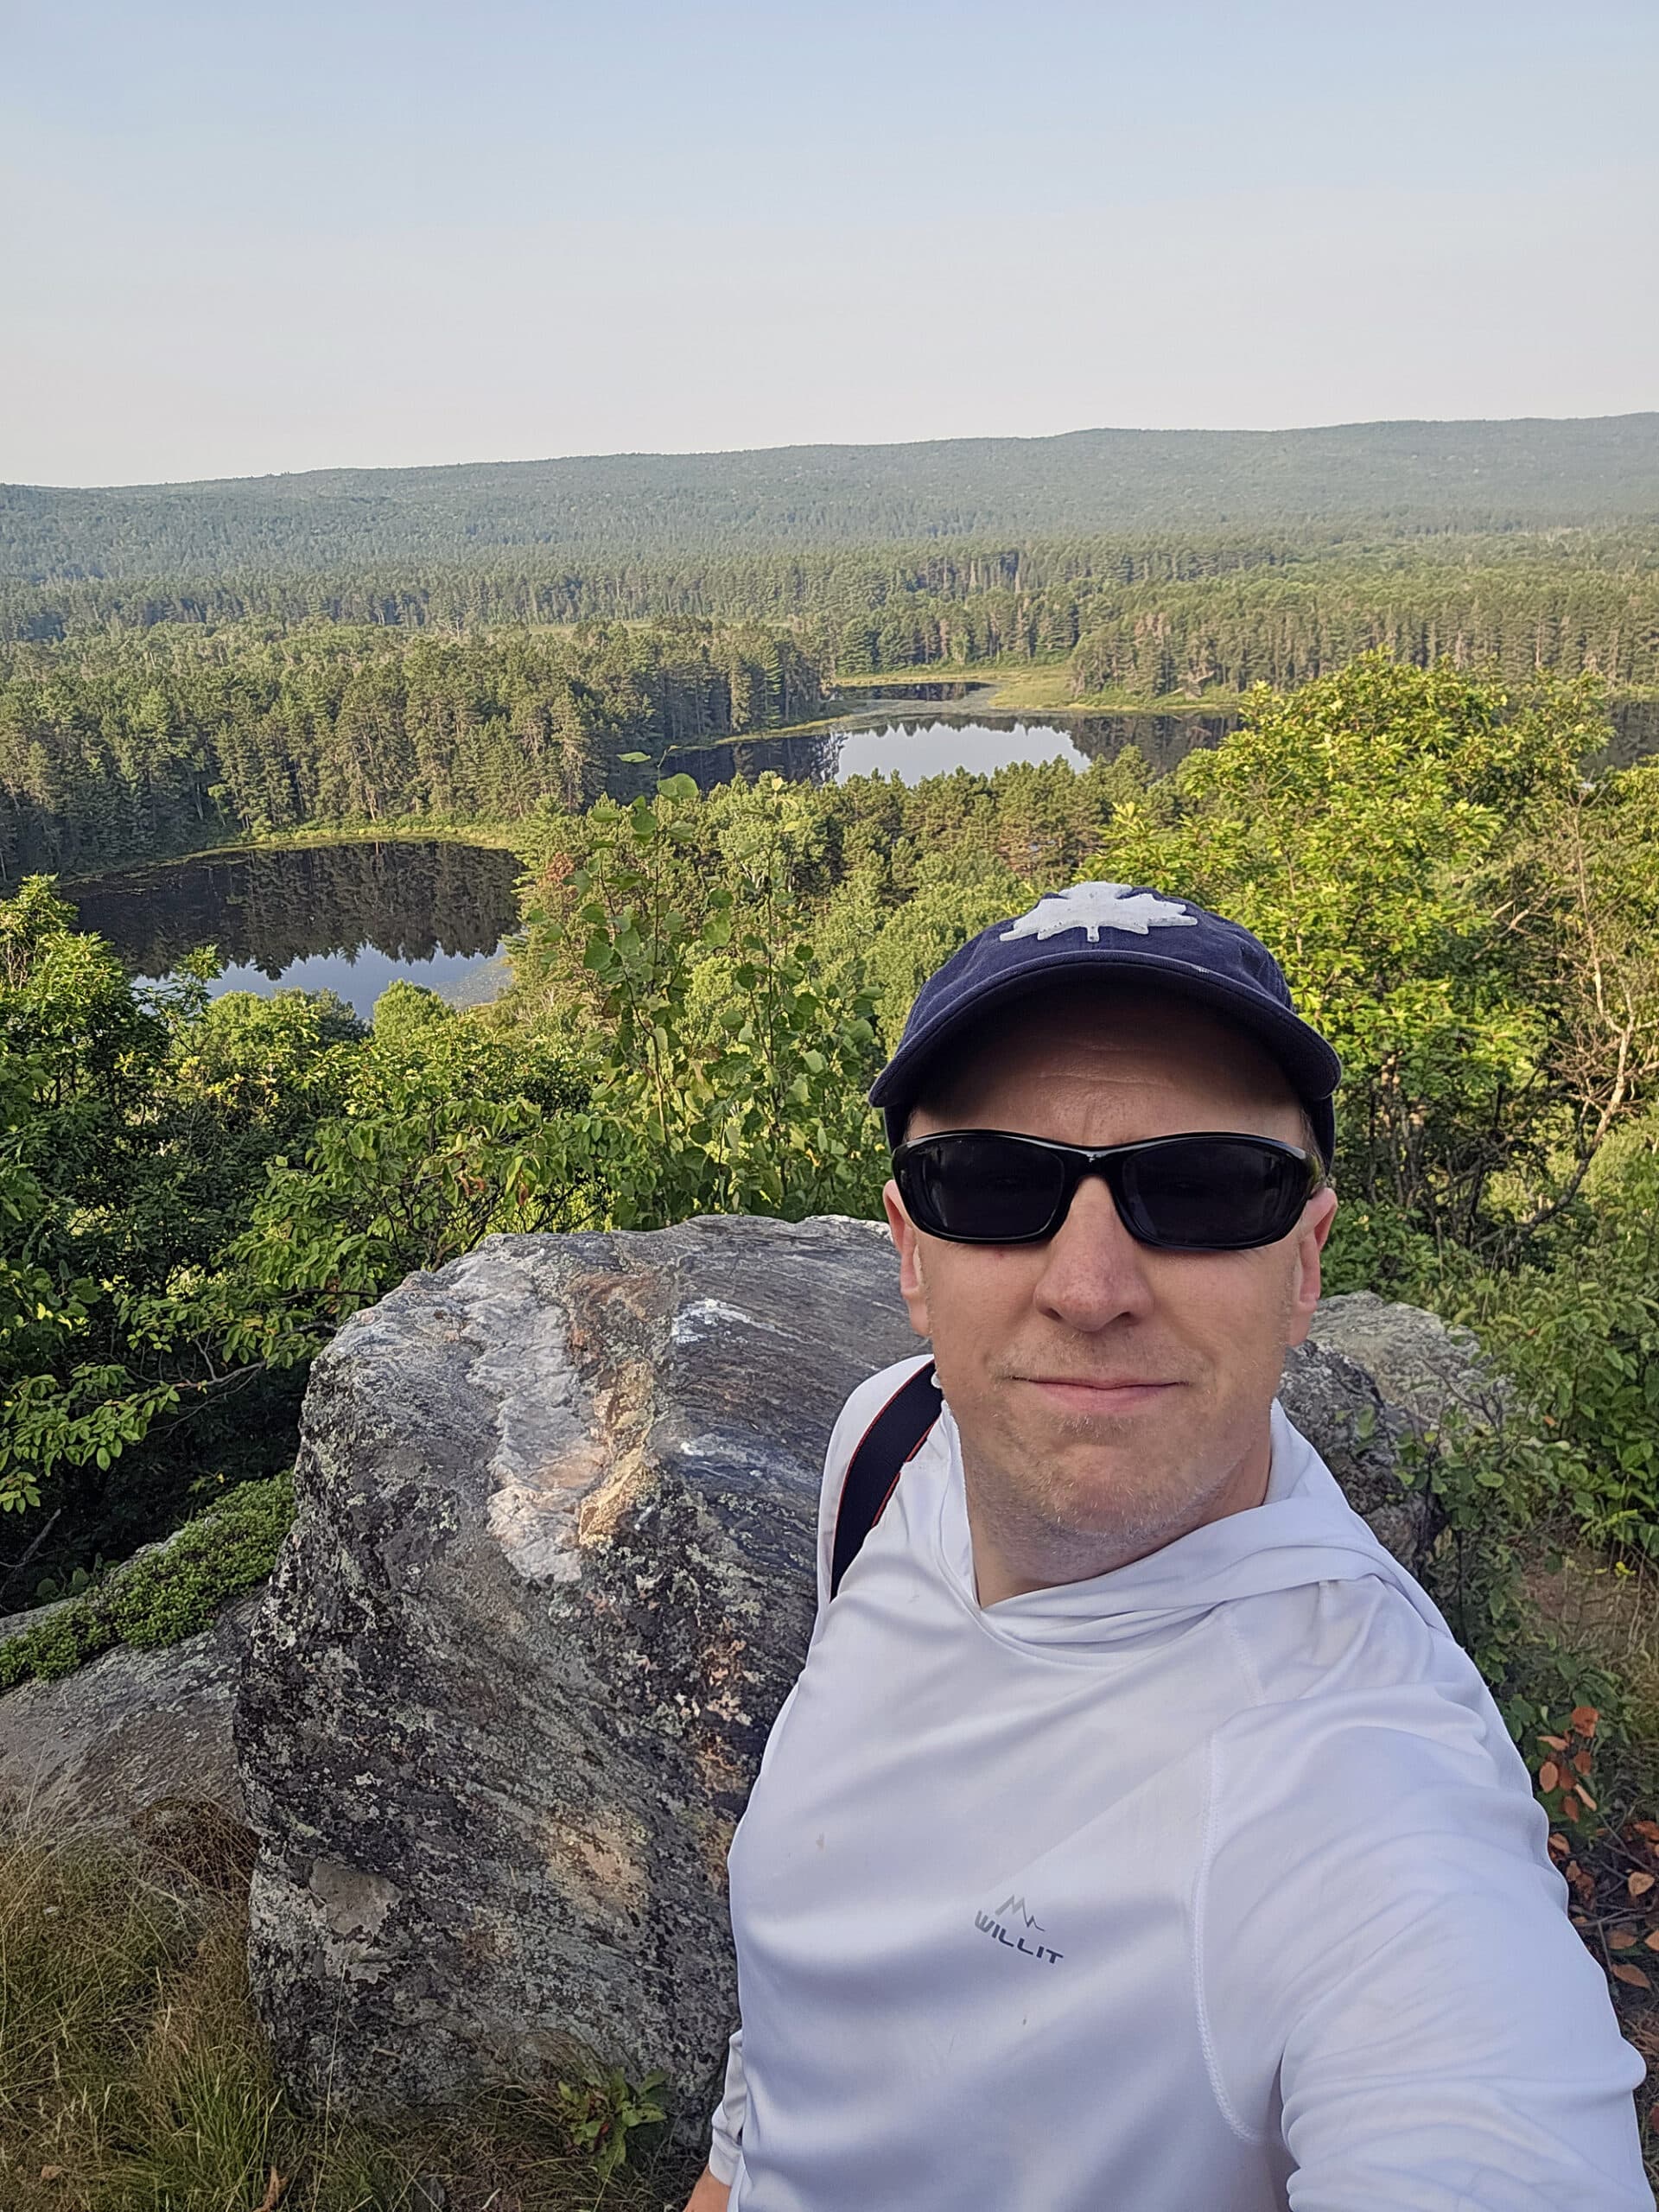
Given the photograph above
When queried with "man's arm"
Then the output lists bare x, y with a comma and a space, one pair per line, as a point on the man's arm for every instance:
1388, 1949
725, 2132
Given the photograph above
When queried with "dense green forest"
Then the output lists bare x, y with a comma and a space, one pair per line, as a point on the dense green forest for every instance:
832, 586
1413, 475
127, 748
119, 743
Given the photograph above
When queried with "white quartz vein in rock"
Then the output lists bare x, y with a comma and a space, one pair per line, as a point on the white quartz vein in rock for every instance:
696, 1320
546, 1459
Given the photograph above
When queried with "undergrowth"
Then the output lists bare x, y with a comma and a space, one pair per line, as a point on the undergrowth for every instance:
161, 1596
136, 2077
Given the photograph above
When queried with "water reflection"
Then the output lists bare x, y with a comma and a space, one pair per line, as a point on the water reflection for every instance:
919, 749
883, 740
349, 918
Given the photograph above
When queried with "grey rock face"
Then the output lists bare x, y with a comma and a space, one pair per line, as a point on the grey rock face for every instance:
551, 1578
1435, 1375
130, 1731
1359, 1435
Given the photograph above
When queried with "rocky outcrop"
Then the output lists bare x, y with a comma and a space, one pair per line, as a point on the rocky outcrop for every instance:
1436, 1377
551, 1578
131, 1732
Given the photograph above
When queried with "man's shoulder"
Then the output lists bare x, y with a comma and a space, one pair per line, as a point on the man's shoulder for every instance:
862, 1405
1362, 1705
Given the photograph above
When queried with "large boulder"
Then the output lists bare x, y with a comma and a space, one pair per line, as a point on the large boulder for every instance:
551, 1578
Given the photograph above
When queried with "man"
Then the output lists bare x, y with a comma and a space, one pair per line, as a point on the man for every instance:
1136, 1838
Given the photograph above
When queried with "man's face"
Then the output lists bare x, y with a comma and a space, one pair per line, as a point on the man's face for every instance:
1109, 1396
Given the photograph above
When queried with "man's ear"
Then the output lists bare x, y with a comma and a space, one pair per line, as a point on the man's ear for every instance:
907, 1239
1306, 1284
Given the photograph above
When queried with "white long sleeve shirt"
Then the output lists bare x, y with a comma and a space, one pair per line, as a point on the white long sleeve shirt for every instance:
1214, 1883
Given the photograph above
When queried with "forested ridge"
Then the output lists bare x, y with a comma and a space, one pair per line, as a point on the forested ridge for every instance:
1411, 475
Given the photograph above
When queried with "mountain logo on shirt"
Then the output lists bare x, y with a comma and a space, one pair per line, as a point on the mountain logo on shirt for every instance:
1014, 1912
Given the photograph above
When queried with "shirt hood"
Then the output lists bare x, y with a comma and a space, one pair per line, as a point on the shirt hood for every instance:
1303, 1532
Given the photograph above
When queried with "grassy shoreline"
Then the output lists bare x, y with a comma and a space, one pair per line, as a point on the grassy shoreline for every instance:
1018, 686
1025, 687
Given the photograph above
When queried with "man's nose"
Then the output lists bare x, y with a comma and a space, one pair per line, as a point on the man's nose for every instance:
1096, 1272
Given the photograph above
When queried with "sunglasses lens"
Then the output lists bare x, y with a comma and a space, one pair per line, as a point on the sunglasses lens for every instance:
980, 1187
1212, 1193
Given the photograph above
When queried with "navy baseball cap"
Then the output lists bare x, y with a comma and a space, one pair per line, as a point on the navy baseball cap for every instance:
1115, 929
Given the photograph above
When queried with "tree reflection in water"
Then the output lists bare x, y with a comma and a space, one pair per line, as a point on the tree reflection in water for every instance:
419, 906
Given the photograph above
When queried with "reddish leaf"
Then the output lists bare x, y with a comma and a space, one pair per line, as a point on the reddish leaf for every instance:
1634, 1975
1647, 1829
1639, 1885
1559, 1846
1548, 1775
1622, 1939
1569, 1807
1652, 1942
1581, 1763
1556, 1743
1584, 1719
1589, 1803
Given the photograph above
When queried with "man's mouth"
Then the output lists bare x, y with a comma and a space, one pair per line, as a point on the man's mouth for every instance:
1112, 1395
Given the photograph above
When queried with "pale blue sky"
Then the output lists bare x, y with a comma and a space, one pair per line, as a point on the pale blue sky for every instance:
239, 238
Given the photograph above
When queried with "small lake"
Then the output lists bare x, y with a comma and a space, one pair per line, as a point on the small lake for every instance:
353, 918
349, 918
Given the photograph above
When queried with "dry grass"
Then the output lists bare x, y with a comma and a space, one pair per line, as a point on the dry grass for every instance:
134, 2076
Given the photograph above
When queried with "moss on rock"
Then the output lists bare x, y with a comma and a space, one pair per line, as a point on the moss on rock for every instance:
165, 1593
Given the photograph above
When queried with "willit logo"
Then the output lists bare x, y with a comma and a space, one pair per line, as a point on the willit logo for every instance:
1015, 1909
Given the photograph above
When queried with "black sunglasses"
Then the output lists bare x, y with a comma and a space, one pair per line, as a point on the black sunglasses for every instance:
1208, 1193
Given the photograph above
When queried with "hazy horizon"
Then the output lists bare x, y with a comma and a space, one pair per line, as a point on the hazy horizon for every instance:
362, 236
799, 445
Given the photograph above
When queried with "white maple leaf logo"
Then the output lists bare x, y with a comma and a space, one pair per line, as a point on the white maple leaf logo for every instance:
1095, 907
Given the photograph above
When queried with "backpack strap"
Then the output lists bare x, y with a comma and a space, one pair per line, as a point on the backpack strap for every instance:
890, 1442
